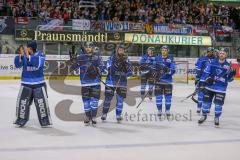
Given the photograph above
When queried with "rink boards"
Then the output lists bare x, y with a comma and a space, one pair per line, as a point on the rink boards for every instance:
55, 65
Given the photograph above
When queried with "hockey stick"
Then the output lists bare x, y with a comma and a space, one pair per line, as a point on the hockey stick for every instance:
145, 95
192, 94
149, 90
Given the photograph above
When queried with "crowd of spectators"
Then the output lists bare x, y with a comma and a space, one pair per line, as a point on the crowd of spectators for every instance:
149, 11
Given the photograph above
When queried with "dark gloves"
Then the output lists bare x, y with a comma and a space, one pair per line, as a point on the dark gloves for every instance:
201, 85
124, 67
232, 73
92, 72
166, 70
144, 67
121, 66
196, 82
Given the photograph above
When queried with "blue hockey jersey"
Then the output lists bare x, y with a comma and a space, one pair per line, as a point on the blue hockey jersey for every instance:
146, 63
32, 68
220, 72
116, 77
169, 63
84, 63
201, 64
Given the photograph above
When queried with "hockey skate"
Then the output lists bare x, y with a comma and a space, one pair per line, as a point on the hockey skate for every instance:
168, 114
198, 110
216, 121
119, 119
104, 117
94, 121
159, 114
150, 97
202, 119
20, 123
86, 122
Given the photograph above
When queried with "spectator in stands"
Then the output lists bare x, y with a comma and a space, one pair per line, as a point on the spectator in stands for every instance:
158, 11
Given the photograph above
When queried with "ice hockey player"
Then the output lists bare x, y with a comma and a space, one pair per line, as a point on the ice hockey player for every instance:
91, 67
165, 67
33, 86
119, 68
147, 61
201, 64
215, 81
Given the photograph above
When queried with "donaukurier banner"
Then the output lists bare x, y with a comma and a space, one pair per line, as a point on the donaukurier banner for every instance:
168, 39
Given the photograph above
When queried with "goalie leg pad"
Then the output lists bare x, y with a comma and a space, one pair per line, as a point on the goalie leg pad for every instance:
23, 106
42, 107
122, 92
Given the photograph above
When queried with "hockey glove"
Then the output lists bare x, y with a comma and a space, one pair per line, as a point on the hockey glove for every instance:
196, 81
166, 70
232, 73
201, 85
92, 72
210, 81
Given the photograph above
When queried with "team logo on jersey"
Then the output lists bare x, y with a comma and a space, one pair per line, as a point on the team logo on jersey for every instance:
218, 71
168, 60
226, 67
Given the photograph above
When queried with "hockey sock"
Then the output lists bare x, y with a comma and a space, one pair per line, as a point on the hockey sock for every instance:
159, 102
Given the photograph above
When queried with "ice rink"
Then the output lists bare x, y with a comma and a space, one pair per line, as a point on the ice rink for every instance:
135, 138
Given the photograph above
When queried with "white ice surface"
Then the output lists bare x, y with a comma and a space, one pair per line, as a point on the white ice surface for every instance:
128, 140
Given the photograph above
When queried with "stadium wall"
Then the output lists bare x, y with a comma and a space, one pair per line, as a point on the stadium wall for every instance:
55, 66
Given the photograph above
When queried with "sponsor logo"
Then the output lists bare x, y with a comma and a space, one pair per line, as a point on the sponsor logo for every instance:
23, 104
168, 39
42, 108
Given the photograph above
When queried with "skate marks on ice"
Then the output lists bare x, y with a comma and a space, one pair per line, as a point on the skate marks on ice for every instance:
118, 146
